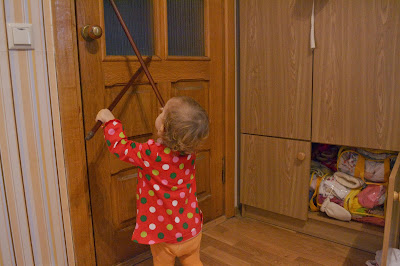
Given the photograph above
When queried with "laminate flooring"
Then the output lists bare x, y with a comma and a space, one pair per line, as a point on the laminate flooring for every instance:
243, 241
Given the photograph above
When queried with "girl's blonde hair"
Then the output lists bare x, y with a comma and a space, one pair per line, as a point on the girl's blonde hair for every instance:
185, 125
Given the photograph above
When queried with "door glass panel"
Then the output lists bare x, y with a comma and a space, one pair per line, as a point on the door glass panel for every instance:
185, 27
138, 17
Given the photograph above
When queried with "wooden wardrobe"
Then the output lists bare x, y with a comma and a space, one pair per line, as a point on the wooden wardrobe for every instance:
344, 92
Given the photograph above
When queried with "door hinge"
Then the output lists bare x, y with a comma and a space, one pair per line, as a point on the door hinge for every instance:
223, 170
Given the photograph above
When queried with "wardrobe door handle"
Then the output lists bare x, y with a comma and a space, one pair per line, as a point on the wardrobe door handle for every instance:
396, 196
301, 156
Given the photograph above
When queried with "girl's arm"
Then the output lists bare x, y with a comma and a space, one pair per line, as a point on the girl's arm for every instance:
126, 150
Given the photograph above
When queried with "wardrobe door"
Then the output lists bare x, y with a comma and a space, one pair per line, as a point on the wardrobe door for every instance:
357, 73
392, 219
274, 174
275, 68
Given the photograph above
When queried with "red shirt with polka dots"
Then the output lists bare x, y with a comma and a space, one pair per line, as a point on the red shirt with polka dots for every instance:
167, 207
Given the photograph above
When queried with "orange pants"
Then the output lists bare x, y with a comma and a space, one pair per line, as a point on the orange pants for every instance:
188, 252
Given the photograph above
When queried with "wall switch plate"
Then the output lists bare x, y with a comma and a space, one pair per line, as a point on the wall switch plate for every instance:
20, 36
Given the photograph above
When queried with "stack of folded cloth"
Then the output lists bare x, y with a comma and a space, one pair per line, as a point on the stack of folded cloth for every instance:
355, 188
346, 198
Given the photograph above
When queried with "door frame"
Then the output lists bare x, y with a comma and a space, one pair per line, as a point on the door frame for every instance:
70, 101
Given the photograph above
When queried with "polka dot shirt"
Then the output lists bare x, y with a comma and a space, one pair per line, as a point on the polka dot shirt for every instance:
167, 206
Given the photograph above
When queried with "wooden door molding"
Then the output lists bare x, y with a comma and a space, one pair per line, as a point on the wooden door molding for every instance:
69, 91
70, 97
230, 95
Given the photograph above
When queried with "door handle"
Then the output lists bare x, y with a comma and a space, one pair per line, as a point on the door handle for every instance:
91, 32
301, 156
396, 196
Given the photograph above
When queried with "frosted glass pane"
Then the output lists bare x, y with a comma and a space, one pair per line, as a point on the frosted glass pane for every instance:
138, 17
185, 27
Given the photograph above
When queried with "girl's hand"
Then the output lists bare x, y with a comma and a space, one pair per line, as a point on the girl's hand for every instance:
104, 116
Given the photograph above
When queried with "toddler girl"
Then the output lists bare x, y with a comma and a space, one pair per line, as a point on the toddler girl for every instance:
168, 216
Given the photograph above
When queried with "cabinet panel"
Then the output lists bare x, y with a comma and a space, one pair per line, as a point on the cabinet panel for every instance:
272, 177
275, 68
356, 73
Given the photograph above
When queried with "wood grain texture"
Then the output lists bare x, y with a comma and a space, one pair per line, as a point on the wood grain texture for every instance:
172, 71
356, 226
244, 241
230, 107
275, 68
365, 237
392, 216
112, 239
356, 73
69, 92
272, 178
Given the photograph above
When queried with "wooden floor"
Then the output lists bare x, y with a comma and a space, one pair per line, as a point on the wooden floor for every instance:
243, 241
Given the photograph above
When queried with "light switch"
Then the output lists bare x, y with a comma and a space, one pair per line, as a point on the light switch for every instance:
19, 36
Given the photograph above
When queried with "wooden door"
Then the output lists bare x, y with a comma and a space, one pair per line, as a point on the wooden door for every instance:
275, 68
356, 73
187, 60
274, 174
392, 218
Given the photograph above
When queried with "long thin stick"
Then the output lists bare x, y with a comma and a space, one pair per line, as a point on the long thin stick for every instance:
118, 98
139, 56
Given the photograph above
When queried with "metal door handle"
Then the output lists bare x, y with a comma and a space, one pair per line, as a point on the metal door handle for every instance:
91, 32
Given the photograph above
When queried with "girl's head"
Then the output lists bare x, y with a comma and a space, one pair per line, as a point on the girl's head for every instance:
183, 124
